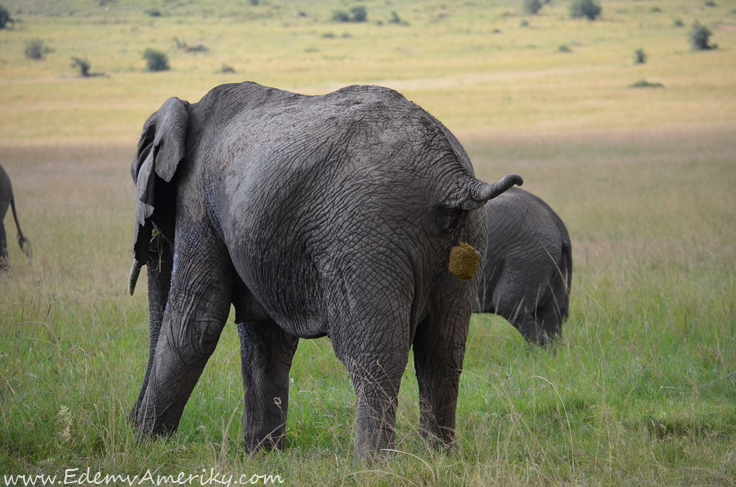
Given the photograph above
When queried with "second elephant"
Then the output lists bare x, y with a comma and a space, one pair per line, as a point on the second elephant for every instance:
528, 267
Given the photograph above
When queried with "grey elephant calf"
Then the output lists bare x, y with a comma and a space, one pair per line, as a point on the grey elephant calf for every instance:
7, 199
527, 272
323, 215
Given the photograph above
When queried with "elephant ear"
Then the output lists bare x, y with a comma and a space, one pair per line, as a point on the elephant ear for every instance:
161, 148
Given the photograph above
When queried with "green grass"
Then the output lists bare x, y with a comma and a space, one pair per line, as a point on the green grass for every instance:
642, 388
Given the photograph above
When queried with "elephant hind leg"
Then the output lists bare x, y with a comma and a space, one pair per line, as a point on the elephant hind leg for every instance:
376, 379
266, 353
4, 261
439, 349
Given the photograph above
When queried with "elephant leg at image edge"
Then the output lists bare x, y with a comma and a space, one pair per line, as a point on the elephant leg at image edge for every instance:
439, 349
198, 306
160, 263
4, 261
266, 353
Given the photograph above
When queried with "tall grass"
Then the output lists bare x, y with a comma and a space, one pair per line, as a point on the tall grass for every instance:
640, 390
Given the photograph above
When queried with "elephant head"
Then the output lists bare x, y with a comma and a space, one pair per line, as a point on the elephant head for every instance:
160, 150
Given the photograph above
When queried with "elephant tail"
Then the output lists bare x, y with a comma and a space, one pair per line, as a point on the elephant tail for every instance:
565, 269
477, 193
489, 191
24, 243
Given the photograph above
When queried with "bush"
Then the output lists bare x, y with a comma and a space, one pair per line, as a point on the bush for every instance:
155, 60
225, 69
531, 7
5, 17
699, 36
395, 19
642, 83
584, 8
640, 57
357, 14
340, 16
36, 50
81, 64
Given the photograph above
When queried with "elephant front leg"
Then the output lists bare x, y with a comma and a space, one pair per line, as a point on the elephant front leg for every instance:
160, 263
266, 352
439, 349
198, 306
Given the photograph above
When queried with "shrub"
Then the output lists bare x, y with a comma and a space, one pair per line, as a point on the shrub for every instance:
396, 20
564, 48
358, 14
640, 57
36, 50
152, 12
226, 69
340, 16
531, 7
155, 60
584, 8
81, 64
699, 36
678, 23
642, 83
5, 17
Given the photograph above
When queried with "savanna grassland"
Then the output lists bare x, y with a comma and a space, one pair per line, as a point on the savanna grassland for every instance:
641, 390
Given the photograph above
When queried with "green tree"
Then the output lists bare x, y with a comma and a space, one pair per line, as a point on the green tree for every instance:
155, 60
358, 14
36, 49
5, 17
699, 36
531, 7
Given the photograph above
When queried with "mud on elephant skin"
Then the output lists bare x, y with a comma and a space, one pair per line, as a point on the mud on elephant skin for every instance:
313, 215
527, 272
8, 200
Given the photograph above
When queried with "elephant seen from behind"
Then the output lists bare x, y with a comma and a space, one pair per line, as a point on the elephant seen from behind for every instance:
313, 215
527, 273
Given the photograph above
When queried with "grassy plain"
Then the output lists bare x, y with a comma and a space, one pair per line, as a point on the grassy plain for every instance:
642, 389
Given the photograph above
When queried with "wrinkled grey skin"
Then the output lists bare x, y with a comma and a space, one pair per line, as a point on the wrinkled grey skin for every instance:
7, 199
527, 272
326, 215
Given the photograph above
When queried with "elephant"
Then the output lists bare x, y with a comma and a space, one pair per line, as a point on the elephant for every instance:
351, 215
527, 273
6, 198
